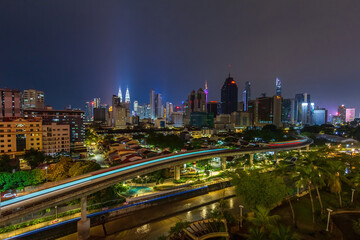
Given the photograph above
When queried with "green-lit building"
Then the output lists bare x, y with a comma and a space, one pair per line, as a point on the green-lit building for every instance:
202, 119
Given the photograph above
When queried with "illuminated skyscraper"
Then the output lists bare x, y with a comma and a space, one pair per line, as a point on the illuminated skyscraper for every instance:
120, 94
350, 114
127, 96
278, 87
342, 113
136, 106
246, 95
96, 103
159, 110
229, 96
152, 104
298, 111
169, 110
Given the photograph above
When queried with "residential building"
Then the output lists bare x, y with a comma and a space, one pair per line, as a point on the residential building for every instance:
56, 138
18, 135
73, 118
10, 103
33, 99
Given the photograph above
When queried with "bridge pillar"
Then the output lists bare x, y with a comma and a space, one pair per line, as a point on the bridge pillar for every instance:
177, 172
275, 157
223, 163
308, 148
251, 159
83, 226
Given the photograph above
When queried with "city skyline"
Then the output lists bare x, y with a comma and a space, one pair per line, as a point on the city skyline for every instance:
311, 47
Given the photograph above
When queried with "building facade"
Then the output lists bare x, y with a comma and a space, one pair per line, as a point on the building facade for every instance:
18, 135
229, 96
10, 103
33, 99
73, 118
56, 138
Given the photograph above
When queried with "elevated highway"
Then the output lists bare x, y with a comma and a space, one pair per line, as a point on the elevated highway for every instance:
85, 185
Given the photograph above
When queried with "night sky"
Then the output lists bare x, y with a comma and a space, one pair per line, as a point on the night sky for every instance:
77, 50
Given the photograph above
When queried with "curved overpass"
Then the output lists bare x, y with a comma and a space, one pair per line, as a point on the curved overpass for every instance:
87, 184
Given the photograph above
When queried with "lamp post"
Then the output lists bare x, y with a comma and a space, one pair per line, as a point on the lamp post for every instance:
241, 214
46, 173
56, 212
352, 194
328, 220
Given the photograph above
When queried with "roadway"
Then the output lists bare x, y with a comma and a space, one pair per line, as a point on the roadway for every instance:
87, 184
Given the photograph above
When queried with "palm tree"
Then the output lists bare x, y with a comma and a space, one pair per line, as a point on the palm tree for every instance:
305, 180
283, 233
262, 219
336, 175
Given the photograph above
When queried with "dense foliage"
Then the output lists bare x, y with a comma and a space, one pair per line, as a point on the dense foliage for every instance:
34, 158
173, 142
259, 188
67, 168
21, 179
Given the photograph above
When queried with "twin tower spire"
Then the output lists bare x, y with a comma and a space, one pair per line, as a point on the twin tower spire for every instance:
127, 95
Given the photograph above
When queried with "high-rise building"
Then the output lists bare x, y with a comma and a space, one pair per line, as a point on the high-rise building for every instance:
268, 111
152, 104
56, 138
229, 96
246, 95
100, 114
307, 111
342, 113
10, 103
169, 110
89, 111
278, 87
96, 103
159, 108
298, 111
120, 95
127, 96
33, 99
288, 111
136, 106
197, 101
350, 114
319, 116
212, 107
178, 119
119, 113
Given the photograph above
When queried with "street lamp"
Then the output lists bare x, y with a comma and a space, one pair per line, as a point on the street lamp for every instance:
328, 220
56, 212
241, 214
352, 194
46, 173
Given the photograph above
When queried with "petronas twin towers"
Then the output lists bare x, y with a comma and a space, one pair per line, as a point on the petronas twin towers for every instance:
127, 95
